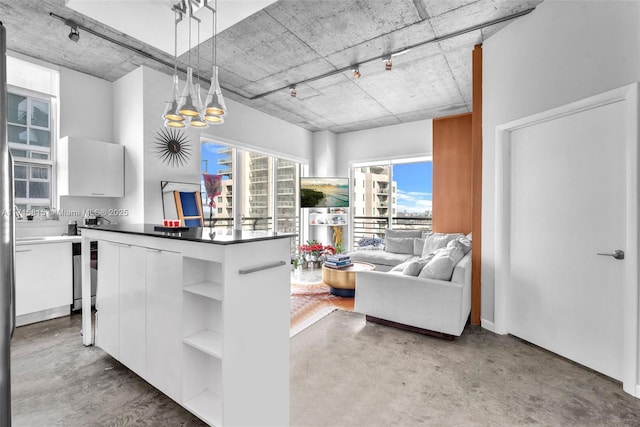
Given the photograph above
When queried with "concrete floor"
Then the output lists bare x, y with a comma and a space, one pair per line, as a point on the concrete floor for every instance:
344, 372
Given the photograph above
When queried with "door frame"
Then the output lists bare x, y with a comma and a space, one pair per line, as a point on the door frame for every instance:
629, 95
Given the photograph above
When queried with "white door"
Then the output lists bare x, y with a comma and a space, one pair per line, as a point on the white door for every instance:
568, 203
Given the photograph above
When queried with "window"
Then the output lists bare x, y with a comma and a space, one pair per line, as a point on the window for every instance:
399, 197
29, 133
269, 195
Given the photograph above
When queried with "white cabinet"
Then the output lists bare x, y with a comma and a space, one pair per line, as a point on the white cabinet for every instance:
108, 298
132, 308
90, 168
164, 321
213, 326
44, 281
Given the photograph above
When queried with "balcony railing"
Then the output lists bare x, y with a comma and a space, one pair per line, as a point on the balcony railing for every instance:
374, 226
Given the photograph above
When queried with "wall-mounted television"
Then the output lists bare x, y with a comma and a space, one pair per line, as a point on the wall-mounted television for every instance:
318, 192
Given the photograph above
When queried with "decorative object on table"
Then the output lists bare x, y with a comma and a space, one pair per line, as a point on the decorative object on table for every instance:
213, 187
337, 261
172, 146
315, 252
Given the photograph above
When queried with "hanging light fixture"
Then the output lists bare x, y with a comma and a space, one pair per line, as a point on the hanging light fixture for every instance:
215, 106
187, 100
198, 121
171, 115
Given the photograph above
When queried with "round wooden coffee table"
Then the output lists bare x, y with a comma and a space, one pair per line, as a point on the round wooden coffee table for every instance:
342, 281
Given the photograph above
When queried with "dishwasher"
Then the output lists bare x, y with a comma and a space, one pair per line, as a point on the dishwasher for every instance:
77, 275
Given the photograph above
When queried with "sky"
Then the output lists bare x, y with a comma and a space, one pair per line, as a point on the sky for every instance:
415, 181
415, 186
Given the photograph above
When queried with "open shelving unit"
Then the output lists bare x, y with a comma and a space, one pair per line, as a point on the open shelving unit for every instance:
203, 339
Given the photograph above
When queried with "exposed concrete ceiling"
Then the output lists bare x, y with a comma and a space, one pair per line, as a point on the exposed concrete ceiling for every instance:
296, 42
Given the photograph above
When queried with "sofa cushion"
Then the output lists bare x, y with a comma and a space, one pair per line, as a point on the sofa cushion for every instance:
402, 233
435, 241
379, 257
415, 266
462, 242
441, 266
399, 245
418, 245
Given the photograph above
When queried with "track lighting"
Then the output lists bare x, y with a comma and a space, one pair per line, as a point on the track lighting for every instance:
356, 71
74, 34
292, 91
387, 62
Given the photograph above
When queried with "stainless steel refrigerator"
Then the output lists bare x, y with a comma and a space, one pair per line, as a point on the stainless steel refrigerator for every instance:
7, 246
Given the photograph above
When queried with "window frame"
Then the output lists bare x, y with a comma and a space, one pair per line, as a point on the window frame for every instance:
53, 132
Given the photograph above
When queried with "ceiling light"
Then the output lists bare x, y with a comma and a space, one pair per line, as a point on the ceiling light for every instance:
74, 35
387, 62
356, 72
215, 105
292, 91
171, 113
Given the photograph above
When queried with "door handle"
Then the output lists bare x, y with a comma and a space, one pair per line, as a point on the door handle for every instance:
617, 254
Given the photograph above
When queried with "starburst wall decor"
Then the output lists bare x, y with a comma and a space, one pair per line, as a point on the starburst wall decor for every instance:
172, 146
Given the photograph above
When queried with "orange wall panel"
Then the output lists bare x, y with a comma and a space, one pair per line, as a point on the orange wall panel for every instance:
452, 174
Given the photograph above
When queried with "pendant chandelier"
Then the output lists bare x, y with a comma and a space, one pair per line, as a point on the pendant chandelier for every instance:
188, 107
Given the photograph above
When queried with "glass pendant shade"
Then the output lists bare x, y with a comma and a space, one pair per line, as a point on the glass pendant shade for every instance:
215, 101
171, 112
198, 121
188, 98
174, 124
213, 119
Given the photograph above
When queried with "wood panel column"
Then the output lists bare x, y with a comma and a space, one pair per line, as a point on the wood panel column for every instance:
452, 174
476, 208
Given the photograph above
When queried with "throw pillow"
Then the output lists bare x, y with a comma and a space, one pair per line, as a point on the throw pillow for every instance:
400, 267
369, 241
402, 233
442, 264
462, 242
402, 245
414, 267
436, 241
418, 244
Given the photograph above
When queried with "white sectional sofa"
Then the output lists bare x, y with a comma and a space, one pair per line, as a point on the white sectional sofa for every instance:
428, 293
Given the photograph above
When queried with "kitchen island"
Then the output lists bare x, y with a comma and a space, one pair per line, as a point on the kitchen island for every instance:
202, 316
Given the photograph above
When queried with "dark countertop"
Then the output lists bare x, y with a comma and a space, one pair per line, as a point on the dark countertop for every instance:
194, 234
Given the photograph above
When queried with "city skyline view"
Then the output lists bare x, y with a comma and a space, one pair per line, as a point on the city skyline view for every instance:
414, 180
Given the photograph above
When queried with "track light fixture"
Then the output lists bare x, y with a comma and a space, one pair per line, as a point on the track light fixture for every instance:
292, 91
387, 62
74, 34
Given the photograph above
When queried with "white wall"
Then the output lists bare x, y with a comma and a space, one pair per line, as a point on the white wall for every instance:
257, 130
128, 130
86, 106
323, 158
390, 142
86, 111
562, 52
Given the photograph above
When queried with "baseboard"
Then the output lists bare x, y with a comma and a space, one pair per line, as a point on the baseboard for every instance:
488, 325
39, 316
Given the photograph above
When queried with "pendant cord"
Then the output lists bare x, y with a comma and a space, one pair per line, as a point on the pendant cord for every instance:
175, 43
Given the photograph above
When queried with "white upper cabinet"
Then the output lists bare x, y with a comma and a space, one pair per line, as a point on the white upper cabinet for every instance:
90, 168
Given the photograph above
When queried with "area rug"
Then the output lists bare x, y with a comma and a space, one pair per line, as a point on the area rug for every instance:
311, 302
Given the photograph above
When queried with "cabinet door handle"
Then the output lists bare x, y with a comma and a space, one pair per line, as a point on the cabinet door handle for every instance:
261, 267
23, 250
97, 194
